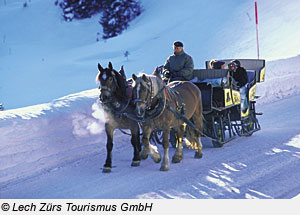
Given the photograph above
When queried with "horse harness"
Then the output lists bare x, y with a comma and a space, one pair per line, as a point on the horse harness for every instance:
155, 104
115, 105
180, 105
150, 96
180, 110
155, 110
105, 88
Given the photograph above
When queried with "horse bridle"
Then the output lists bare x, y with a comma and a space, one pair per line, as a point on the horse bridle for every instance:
105, 88
149, 97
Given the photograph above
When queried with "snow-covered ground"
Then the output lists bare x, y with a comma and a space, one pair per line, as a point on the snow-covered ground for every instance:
56, 149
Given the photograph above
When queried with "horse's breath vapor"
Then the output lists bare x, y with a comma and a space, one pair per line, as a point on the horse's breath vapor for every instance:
98, 112
98, 125
85, 125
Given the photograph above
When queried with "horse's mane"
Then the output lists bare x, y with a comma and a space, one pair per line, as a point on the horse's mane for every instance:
120, 79
156, 83
97, 79
159, 84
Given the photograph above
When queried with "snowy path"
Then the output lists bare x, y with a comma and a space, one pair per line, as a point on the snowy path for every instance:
265, 165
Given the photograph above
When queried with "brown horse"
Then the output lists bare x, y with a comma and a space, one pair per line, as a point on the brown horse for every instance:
149, 91
115, 103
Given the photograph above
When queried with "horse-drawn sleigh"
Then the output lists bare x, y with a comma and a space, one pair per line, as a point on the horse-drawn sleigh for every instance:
188, 109
223, 111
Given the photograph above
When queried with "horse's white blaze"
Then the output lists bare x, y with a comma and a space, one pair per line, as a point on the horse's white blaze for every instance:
104, 76
138, 88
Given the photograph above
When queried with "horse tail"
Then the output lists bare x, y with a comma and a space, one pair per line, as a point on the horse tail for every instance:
193, 136
198, 115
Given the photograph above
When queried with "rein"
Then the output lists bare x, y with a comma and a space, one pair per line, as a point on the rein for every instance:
187, 121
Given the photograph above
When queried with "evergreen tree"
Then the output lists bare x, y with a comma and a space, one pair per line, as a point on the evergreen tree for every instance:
80, 9
117, 15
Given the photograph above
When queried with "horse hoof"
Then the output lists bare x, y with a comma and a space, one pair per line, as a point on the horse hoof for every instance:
157, 159
135, 163
164, 168
144, 156
176, 159
198, 155
106, 170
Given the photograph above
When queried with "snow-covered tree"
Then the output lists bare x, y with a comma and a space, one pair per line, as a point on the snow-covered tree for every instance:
80, 9
117, 15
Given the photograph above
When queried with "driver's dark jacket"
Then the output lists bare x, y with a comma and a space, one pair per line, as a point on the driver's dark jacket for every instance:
180, 62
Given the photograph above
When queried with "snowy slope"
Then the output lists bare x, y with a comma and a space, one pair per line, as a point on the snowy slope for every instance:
43, 58
57, 149
282, 80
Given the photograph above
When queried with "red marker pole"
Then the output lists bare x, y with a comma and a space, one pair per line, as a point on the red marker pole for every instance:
256, 21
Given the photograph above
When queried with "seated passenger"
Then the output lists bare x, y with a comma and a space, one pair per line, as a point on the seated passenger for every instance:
218, 65
210, 65
215, 82
240, 74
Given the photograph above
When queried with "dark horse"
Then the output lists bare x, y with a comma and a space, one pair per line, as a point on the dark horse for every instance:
185, 98
115, 102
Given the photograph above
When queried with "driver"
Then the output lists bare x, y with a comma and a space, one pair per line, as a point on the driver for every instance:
179, 66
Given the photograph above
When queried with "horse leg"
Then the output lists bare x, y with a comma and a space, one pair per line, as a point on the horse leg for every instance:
198, 152
148, 148
135, 141
165, 166
197, 118
109, 146
178, 156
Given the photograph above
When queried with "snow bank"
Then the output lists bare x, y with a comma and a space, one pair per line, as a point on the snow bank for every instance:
33, 139
282, 80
